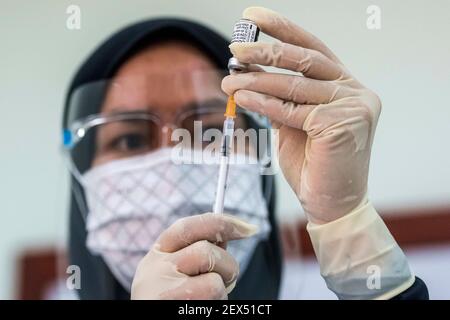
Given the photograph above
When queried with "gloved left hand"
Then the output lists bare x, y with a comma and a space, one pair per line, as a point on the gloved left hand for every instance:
189, 260
326, 118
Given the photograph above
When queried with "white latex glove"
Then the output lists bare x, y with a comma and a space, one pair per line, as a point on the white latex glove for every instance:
186, 263
326, 118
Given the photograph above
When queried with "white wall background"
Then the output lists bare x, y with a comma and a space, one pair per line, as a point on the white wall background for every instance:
407, 63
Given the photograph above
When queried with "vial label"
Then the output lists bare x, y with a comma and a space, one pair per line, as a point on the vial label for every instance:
245, 31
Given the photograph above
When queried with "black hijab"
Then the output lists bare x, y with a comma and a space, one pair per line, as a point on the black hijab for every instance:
261, 280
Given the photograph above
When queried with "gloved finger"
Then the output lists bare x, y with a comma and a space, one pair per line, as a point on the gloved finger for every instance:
279, 27
207, 286
208, 226
202, 257
286, 87
286, 112
310, 63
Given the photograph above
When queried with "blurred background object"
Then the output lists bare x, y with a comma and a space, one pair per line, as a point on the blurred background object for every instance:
406, 62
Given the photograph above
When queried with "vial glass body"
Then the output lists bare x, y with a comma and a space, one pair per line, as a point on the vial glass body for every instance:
244, 31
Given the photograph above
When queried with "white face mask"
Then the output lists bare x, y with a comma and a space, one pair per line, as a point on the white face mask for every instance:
131, 201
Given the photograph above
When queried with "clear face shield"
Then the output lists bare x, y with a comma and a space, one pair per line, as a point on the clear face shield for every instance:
139, 115
146, 152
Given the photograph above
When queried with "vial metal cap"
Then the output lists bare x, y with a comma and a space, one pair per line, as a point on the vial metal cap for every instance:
235, 66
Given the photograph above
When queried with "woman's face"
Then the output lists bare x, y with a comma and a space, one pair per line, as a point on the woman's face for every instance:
165, 79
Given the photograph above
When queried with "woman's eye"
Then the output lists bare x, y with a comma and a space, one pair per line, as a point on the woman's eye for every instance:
130, 142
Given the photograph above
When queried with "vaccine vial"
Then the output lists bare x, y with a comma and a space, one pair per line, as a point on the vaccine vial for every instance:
244, 31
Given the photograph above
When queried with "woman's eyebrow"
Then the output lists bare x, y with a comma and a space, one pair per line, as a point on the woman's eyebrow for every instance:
213, 102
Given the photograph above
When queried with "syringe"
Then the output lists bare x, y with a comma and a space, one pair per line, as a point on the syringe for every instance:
244, 31
225, 151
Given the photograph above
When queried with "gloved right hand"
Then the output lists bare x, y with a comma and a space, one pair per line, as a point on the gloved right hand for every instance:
326, 119
189, 260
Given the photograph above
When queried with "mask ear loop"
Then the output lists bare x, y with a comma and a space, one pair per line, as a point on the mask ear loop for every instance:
76, 189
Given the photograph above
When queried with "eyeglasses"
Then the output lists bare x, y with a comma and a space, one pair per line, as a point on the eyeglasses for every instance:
92, 139
107, 137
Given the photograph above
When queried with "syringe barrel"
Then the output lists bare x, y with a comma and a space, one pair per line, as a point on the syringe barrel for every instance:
227, 136
227, 139
221, 185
